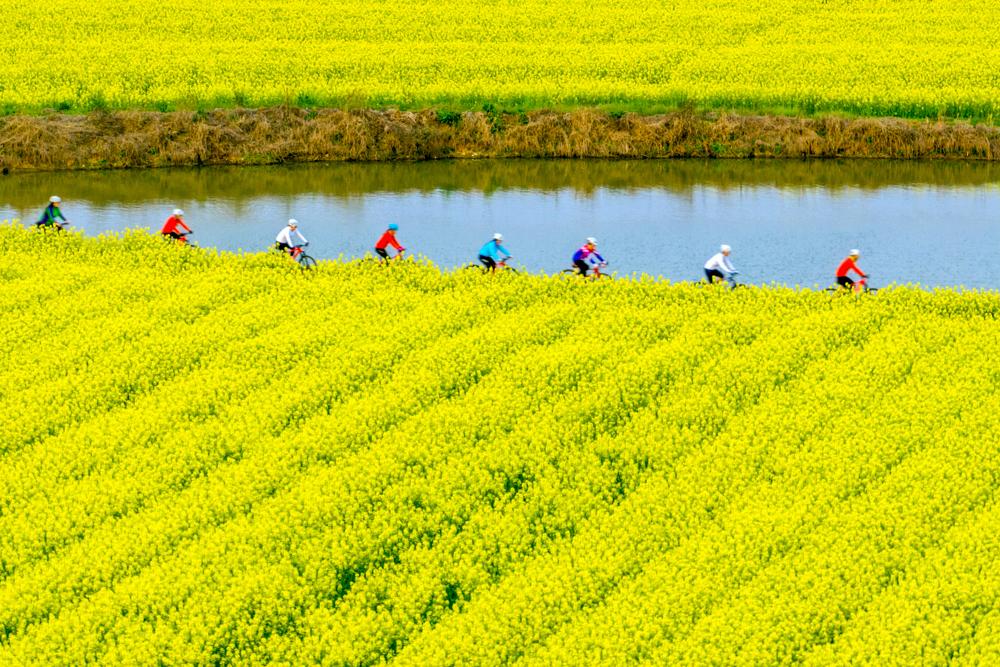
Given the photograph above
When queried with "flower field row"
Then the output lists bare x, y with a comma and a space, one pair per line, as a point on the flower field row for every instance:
884, 57
214, 458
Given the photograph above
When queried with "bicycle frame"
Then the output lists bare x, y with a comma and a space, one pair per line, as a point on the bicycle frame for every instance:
391, 258
595, 271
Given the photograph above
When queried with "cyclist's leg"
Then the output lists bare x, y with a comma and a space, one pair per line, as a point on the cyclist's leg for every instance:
488, 262
712, 275
582, 267
382, 252
283, 247
845, 282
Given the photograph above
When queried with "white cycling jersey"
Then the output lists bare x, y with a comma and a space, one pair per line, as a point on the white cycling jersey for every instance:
285, 236
719, 262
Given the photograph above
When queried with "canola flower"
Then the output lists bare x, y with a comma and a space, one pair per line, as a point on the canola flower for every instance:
419, 467
882, 57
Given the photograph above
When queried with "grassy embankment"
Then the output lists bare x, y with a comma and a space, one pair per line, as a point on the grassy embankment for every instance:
284, 134
438, 468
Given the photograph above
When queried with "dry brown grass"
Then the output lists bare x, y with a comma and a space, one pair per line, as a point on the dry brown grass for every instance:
283, 134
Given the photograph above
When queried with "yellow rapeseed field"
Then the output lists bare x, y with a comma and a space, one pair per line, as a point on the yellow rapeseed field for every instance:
876, 57
221, 459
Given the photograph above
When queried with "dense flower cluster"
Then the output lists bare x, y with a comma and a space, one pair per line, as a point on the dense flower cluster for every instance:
899, 57
215, 458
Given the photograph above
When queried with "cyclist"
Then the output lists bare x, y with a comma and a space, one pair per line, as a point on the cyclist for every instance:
587, 257
52, 214
283, 241
490, 253
173, 224
387, 239
719, 266
848, 265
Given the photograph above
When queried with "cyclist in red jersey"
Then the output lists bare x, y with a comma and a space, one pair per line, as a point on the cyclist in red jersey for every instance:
387, 239
173, 224
846, 267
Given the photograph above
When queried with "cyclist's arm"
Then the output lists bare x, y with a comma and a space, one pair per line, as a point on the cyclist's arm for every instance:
728, 265
299, 234
506, 254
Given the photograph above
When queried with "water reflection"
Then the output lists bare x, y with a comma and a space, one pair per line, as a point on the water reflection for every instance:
487, 176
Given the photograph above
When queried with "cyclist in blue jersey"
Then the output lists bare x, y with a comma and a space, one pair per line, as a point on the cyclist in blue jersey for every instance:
491, 252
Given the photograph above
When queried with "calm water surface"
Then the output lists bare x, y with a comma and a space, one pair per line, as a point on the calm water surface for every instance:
933, 223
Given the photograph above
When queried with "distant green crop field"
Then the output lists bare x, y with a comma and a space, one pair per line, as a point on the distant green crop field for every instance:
885, 57
219, 459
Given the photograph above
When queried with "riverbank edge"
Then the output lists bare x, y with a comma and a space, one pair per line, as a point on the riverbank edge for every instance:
142, 139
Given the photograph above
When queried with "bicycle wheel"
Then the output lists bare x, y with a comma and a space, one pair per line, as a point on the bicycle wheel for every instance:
307, 262
511, 269
469, 267
568, 272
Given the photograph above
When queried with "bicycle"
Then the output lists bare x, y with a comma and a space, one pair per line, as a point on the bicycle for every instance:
386, 261
55, 226
859, 287
500, 266
297, 253
181, 239
595, 273
729, 279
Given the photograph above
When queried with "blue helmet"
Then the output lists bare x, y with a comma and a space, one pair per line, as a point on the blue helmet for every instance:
393, 226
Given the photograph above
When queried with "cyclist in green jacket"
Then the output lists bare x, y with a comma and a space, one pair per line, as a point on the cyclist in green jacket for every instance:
52, 215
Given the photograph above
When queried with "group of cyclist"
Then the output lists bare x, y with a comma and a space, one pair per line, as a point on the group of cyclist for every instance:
492, 254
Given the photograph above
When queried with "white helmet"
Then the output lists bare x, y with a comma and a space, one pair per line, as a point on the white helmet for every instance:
725, 248
55, 200
591, 240
292, 222
498, 237
178, 212
856, 252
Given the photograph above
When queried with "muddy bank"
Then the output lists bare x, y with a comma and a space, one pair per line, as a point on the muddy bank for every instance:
103, 140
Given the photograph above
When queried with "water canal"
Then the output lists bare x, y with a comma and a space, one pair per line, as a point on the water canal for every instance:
932, 223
